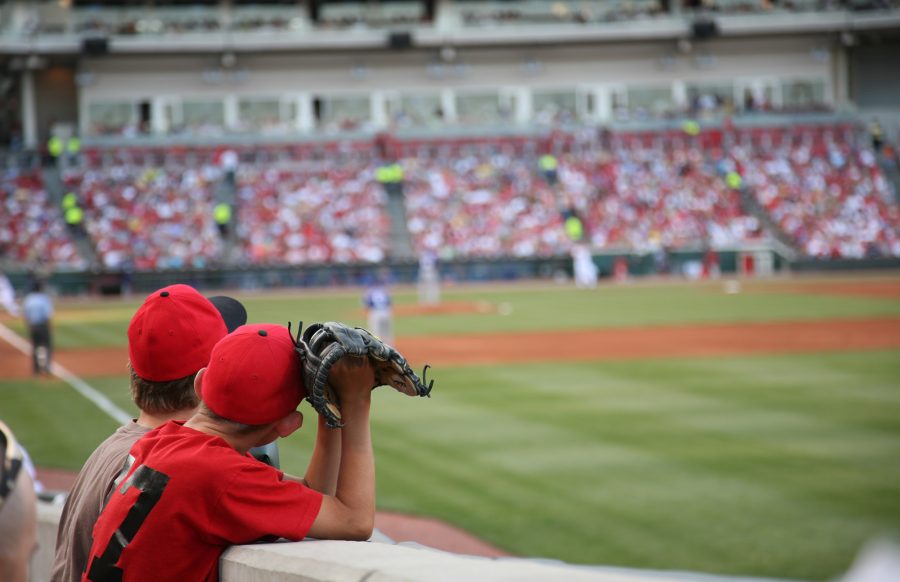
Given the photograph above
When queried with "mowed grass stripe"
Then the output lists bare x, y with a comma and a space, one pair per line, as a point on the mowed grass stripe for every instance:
615, 306
58, 426
783, 441
89, 334
709, 458
84, 334
638, 533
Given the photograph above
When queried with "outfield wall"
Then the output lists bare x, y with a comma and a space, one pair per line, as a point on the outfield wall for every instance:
336, 561
401, 272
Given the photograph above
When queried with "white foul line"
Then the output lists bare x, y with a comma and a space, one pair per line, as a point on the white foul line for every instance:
82, 387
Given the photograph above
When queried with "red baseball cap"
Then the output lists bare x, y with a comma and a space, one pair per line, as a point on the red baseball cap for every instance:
254, 375
173, 333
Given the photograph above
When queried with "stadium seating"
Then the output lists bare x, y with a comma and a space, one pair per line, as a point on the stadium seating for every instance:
32, 231
326, 213
154, 217
151, 208
826, 192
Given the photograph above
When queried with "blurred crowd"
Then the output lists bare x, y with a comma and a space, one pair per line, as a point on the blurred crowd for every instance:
32, 230
319, 214
831, 198
823, 188
148, 218
481, 204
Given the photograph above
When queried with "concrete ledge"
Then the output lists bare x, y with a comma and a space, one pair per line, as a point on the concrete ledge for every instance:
374, 561
378, 560
48, 522
333, 561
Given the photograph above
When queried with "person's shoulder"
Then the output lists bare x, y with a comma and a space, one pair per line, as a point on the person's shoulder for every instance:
175, 442
115, 447
128, 433
245, 471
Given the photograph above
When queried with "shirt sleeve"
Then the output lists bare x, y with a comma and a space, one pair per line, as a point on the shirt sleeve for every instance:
257, 503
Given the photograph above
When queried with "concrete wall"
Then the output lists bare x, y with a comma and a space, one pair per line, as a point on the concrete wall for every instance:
333, 561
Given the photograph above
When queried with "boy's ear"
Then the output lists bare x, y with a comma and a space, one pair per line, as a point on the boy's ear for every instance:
198, 382
289, 424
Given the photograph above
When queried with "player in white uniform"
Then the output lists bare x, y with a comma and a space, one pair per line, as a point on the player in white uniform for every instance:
8, 296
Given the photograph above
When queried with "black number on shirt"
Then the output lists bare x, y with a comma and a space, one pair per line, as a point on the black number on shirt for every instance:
151, 483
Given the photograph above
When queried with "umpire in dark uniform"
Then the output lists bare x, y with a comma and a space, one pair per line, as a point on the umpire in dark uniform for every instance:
38, 310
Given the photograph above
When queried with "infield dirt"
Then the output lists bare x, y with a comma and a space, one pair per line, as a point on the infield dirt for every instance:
718, 340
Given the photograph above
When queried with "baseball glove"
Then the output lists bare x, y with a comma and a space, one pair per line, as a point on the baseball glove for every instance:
323, 344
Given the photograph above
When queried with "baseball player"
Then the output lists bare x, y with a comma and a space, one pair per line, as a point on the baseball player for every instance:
429, 279
169, 340
38, 310
189, 490
583, 266
379, 314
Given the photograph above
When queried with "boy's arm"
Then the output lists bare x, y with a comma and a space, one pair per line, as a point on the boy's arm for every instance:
350, 512
325, 463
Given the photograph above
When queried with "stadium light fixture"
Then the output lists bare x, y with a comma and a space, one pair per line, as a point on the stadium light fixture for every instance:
229, 60
532, 66
447, 53
359, 72
84, 78
35, 62
704, 61
666, 62
820, 54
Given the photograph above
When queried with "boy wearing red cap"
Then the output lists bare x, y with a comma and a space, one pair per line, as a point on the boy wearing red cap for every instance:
170, 338
191, 490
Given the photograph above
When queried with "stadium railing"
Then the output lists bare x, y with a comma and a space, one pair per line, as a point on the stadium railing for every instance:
362, 138
640, 263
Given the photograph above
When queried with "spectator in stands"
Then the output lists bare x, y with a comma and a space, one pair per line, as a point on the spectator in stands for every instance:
216, 496
18, 511
169, 339
877, 134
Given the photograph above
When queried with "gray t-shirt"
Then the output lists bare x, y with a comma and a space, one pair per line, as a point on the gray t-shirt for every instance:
94, 482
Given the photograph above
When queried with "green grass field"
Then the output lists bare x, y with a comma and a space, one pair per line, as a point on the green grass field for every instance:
775, 465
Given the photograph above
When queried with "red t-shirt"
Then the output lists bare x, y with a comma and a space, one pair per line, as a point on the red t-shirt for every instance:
186, 497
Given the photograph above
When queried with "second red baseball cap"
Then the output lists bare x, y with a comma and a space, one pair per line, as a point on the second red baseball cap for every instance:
173, 332
254, 375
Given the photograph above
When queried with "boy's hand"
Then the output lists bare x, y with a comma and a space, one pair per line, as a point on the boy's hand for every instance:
352, 378
324, 346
